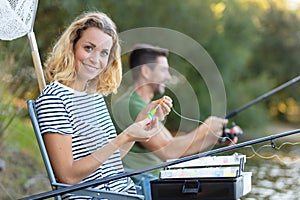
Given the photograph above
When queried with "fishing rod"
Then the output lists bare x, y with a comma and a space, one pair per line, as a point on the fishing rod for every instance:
262, 97
85, 185
236, 130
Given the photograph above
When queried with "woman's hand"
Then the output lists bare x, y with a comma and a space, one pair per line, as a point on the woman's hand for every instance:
145, 127
142, 130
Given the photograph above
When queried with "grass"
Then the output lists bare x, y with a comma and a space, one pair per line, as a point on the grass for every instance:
25, 173
20, 136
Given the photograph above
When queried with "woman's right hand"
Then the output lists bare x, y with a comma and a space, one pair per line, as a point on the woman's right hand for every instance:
142, 130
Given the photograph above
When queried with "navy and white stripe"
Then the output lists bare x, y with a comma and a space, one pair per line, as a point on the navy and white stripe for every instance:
85, 117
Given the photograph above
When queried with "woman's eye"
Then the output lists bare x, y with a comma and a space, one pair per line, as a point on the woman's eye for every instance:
88, 48
104, 53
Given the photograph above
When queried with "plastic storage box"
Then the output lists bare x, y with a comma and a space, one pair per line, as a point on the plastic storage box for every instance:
220, 188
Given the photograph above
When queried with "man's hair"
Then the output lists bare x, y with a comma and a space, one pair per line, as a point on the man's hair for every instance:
144, 54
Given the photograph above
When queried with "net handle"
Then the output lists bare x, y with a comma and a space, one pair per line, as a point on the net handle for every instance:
35, 53
36, 61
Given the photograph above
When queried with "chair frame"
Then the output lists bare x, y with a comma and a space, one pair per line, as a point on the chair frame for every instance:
94, 193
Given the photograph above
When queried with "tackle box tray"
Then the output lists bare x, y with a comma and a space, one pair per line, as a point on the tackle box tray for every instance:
216, 188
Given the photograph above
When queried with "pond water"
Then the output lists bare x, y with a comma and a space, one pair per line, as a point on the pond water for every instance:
275, 173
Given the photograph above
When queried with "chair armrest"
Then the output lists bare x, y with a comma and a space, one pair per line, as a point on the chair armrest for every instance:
101, 193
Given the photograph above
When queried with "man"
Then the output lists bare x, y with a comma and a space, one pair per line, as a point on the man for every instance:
150, 71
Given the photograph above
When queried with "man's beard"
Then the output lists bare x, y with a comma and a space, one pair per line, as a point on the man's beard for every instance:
159, 89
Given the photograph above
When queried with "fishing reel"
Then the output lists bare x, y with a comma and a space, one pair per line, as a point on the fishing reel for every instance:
230, 133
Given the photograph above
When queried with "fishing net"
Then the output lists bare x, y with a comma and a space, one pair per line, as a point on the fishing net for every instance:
16, 20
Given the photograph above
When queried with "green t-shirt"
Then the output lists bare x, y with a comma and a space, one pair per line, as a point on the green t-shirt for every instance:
126, 109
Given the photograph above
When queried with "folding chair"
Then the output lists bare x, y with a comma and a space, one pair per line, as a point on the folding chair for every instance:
94, 193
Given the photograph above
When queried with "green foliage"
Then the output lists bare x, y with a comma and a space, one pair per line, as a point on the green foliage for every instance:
259, 45
7, 115
7, 110
277, 53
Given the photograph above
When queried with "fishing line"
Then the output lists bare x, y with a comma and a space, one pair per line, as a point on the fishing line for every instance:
199, 121
280, 158
255, 152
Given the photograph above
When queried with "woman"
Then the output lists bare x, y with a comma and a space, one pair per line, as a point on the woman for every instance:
80, 138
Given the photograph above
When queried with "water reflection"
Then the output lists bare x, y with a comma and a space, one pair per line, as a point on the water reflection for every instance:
274, 179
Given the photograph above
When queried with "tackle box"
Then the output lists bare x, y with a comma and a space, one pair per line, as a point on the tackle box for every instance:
215, 188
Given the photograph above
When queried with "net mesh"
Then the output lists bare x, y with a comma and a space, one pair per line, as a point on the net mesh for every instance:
16, 18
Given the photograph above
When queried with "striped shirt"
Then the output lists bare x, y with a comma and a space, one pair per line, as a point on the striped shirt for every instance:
85, 117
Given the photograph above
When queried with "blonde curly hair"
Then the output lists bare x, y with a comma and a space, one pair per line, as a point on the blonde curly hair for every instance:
60, 65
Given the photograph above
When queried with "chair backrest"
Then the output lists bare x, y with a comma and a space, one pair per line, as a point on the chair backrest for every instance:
40, 141
56, 185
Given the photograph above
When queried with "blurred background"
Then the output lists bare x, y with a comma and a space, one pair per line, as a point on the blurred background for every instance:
254, 43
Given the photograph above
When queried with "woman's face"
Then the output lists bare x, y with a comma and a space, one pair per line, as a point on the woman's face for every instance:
91, 55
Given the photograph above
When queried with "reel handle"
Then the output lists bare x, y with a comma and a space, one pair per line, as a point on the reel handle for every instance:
230, 134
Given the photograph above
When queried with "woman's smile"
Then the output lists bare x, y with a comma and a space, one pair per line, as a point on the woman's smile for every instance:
90, 67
